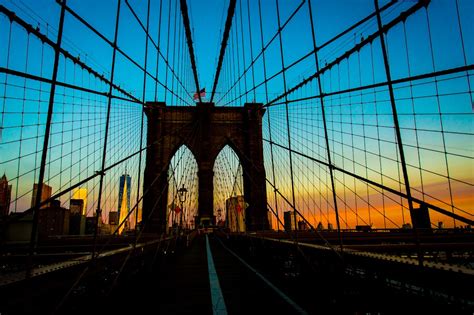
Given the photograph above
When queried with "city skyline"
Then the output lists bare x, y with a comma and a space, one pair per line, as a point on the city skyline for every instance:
435, 115
237, 156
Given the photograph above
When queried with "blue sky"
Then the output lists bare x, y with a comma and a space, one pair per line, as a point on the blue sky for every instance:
360, 124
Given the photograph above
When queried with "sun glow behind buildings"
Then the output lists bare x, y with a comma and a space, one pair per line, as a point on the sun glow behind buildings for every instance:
435, 114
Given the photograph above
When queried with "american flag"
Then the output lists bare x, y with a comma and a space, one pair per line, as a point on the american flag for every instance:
201, 93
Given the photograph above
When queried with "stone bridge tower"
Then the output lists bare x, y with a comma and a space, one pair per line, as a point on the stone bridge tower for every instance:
205, 129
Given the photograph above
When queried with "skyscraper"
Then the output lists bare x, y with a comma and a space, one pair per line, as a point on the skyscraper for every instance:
81, 194
124, 200
77, 219
289, 220
76, 206
45, 194
5, 196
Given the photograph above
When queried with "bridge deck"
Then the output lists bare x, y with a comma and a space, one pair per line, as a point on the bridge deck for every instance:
174, 278
183, 285
244, 291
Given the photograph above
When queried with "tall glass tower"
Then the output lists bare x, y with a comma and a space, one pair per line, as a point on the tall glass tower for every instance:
124, 199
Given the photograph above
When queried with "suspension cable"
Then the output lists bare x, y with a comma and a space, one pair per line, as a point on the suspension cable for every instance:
225, 38
184, 12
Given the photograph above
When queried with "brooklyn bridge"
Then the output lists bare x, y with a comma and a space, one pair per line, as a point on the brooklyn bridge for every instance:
237, 156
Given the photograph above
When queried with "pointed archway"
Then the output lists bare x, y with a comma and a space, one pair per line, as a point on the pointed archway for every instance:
228, 182
182, 189
205, 130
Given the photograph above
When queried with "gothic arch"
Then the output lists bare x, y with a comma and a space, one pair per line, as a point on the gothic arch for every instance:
231, 144
226, 163
205, 130
182, 171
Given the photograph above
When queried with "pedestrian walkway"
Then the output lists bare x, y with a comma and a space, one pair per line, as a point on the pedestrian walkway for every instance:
190, 282
245, 290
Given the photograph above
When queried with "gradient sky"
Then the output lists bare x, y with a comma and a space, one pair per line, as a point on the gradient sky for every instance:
360, 125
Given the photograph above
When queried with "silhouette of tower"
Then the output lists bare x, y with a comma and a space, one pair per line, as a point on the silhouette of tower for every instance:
124, 200
5, 196
81, 194
46, 192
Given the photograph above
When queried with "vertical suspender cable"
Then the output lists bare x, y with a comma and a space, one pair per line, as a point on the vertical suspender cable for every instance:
293, 199
397, 126
107, 122
22, 122
167, 48
225, 38
243, 50
441, 115
184, 12
158, 51
323, 112
39, 191
141, 125
268, 114
251, 52
173, 78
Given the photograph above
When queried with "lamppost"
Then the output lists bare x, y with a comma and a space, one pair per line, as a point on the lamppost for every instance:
219, 216
182, 198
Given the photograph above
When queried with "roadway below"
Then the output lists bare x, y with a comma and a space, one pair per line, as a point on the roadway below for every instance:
179, 283
219, 274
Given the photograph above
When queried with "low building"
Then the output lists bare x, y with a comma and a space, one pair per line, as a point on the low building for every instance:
363, 228
53, 220
90, 225
106, 229
113, 217
113, 221
18, 227
302, 225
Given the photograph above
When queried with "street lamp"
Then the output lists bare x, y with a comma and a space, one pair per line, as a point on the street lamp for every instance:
182, 198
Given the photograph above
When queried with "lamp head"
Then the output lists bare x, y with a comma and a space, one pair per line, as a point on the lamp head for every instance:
182, 193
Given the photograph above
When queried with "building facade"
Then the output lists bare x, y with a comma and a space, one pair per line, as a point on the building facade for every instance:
53, 220
46, 192
289, 220
5, 196
124, 201
77, 220
81, 194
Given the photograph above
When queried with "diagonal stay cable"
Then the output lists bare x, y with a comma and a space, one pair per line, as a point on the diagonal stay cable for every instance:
43, 38
264, 48
326, 242
225, 38
385, 28
98, 173
91, 261
420, 77
193, 136
137, 237
289, 202
157, 47
120, 50
381, 186
184, 12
